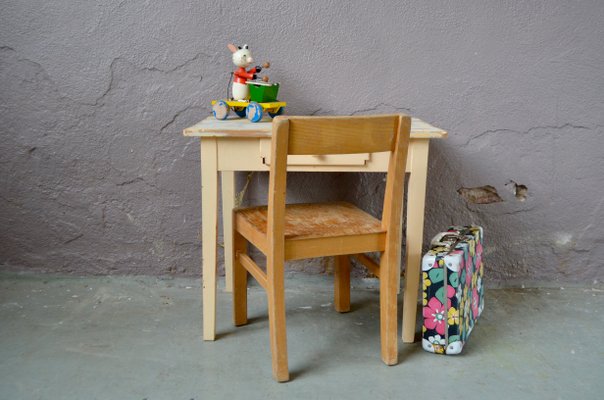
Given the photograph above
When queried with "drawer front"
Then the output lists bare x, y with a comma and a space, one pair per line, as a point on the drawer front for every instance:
331, 159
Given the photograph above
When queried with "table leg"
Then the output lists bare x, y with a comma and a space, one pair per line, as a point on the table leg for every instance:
228, 203
209, 211
415, 231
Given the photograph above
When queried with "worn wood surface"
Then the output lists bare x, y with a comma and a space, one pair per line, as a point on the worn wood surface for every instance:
275, 256
239, 280
227, 184
315, 220
340, 135
368, 263
209, 215
300, 247
415, 231
391, 220
238, 127
253, 268
341, 277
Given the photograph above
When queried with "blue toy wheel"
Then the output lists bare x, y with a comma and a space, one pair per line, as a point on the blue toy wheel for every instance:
240, 111
254, 111
220, 109
278, 112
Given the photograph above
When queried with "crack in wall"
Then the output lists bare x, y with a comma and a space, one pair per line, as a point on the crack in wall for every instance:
175, 117
521, 211
176, 68
112, 65
116, 60
145, 182
44, 76
74, 239
109, 86
528, 131
381, 105
131, 181
321, 111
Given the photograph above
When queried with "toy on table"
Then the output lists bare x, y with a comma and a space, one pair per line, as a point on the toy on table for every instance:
250, 97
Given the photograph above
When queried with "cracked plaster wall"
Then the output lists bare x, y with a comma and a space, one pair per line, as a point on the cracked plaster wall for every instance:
96, 178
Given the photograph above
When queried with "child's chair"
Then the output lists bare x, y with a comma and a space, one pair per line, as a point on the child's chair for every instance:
300, 231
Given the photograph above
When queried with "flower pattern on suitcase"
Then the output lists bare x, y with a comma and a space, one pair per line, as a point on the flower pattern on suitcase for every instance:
453, 296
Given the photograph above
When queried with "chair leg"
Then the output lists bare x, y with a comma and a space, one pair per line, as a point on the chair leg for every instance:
341, 275
239, 281
276, 319
388, 310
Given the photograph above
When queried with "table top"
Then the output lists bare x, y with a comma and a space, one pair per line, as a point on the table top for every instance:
241, 127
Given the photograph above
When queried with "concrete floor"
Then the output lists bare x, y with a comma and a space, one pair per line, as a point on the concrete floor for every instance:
139, 338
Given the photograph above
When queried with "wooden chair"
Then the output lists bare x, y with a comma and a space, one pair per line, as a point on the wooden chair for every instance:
300, 231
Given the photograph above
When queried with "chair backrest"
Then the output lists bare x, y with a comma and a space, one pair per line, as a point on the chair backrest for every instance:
337, 135
341, 135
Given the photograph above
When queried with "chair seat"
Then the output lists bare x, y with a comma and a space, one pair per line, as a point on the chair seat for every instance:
305, 222
316, 220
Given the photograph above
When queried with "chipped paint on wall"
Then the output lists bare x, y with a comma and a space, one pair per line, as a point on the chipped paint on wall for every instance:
520, 191
480, 195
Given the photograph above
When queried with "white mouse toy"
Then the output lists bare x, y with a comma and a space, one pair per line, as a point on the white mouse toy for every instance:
242, 58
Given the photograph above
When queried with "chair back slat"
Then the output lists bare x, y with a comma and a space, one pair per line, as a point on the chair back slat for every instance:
341, 134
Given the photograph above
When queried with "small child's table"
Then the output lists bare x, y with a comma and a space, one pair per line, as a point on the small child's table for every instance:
240, 145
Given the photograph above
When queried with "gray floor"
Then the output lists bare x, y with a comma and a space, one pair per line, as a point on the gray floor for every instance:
139, 338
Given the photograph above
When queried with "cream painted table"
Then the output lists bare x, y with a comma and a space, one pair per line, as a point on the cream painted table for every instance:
239, 145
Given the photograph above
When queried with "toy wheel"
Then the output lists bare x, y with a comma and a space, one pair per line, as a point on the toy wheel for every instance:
254, 112
276, 112
220, 109
240, 111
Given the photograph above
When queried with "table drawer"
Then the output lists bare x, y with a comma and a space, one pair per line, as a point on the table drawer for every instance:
331, 159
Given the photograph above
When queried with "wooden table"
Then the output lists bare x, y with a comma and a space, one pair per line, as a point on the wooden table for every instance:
239, 145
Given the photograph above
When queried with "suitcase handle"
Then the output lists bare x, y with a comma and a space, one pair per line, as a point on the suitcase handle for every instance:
463, 233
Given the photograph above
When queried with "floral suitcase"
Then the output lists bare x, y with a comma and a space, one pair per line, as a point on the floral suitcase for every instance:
452, 289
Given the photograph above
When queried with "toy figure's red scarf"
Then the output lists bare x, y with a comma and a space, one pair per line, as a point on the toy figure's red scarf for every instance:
241, 75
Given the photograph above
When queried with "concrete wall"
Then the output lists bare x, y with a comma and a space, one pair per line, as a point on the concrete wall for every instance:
96, 178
